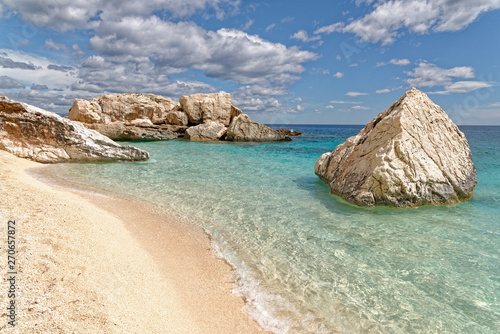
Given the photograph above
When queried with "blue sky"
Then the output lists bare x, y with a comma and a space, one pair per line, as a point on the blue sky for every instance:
316, 62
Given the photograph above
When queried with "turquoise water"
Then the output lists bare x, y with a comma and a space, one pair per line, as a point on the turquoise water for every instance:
308, 262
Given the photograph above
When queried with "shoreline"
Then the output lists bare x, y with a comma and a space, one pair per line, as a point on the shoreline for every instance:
142, 271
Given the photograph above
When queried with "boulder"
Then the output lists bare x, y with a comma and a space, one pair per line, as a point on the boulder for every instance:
131, 116
242, 128
202, 108
206, 131
411, 154
44, 136
176, 118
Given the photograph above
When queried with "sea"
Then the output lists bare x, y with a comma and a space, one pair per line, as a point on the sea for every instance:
308, 262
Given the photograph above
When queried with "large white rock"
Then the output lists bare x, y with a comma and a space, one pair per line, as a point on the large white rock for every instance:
206, 131
202, 108
411, 154
242, 128
44, 136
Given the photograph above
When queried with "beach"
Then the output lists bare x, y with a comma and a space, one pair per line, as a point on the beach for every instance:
89, 263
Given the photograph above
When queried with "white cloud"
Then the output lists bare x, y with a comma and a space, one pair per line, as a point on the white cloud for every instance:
394, 61
429, 75
70, 14
338, 75
287, 19
360, 108
388, 18
302, 35
336, 27
270, 27
330, 107
8, 83
463, 87
297, 99
50, 44
382, 91
174, 47
355, 94
300, 108
247, 25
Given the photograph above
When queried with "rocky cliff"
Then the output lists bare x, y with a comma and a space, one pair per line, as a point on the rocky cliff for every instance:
43, 136
153, 117
411, 154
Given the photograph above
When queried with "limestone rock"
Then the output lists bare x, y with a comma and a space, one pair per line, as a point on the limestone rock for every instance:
242, 128
206, 131
121, 131
176, 118
44, 136
202, 108
412, 154
85, 111
131, 116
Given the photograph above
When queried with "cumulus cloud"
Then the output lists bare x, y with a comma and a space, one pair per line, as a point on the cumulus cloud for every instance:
429, 75
39, 87
355, 94
388, 18
61, 68
70, 14
302, 35
463, 87
8, 83
338, 75
224, 54
9, 63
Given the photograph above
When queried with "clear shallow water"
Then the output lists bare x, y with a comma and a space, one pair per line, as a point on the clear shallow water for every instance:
308, 262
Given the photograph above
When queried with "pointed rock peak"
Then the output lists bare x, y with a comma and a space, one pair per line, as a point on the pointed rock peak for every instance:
409, 155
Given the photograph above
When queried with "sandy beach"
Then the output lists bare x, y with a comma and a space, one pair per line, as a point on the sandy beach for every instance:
89, 263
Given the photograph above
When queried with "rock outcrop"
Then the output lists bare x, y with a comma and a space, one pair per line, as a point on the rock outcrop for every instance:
151, 117
287, 132
43, 136
412, 154
131, 116
206, 131
242, 128
203, 108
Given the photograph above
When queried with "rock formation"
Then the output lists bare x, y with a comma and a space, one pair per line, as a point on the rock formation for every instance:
152, 117
203, 108
412, 154
43, 136
287, 132
206, 131
131, 116
242, 128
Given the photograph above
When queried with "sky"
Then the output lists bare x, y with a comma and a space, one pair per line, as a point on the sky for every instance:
284, 62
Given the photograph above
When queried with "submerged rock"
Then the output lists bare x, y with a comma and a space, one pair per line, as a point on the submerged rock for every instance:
412, 154
206, 131
44, 136
242, 128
